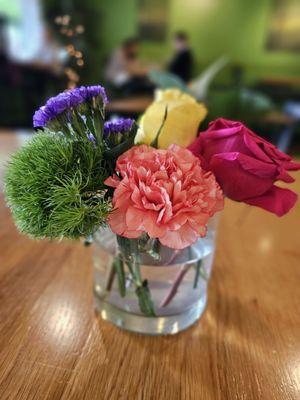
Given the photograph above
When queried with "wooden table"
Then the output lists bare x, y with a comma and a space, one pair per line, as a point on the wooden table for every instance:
131, 106
292, 81
246, 346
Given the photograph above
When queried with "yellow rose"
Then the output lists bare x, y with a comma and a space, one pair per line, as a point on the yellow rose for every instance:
183, 119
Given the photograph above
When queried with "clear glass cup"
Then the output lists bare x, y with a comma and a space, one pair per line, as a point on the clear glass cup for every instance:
177, 282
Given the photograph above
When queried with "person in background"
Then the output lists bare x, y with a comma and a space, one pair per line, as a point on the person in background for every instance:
182, 61
35, 71
125, 71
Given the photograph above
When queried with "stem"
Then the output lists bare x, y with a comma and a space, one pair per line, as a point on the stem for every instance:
118, 266
180, 275
110, 278
173, 256
155, 249
136, 261
130, 249
98, 124
198, 268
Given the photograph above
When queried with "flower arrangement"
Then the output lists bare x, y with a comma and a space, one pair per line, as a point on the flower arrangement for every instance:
156, 185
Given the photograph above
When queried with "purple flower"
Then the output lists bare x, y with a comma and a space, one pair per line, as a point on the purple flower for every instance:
76, 97
91, 137
66, 100
58, 104
95, 91
120, 125
41, 117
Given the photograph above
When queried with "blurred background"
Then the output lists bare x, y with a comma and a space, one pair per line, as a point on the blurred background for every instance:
241, 57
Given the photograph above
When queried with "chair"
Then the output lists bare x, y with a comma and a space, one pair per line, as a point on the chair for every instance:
292, 110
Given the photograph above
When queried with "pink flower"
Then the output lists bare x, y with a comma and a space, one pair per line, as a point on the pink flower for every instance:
164, 193
246, 166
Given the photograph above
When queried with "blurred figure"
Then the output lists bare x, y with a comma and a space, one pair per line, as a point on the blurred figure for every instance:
51, 56
31, 63
3, 50
36, 74
125, 71
182, 61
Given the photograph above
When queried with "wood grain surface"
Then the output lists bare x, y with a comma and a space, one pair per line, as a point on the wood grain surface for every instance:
245, 347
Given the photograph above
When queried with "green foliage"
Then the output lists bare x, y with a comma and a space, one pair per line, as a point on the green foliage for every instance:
55, 187
166, 80
115, 148
239, 104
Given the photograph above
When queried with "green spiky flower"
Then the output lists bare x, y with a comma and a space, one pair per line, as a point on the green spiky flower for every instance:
55, 187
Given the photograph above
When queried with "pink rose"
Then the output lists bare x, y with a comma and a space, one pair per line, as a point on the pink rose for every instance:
246, 166
165, 193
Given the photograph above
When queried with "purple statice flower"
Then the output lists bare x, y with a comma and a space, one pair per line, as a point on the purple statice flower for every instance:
58, 104
95, 91
66, 100
76, 97
41, 117
120, 125
91, 138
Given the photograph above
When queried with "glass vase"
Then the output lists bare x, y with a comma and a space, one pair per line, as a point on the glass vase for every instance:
151, 289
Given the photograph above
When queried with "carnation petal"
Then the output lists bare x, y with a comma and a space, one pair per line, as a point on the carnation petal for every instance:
151, 226
112, 181
134, 219
183, 237
117, 223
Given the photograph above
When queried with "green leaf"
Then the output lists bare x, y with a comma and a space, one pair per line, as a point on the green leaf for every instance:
145, 301
154, 251
166, 80
98, 124
119, 268
154, 143
90, 126
79, 125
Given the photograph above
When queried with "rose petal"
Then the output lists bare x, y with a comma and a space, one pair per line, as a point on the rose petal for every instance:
276, 200
239, 177
245, 164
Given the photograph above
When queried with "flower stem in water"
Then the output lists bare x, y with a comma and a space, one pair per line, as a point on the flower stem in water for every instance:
130, 251
175, 285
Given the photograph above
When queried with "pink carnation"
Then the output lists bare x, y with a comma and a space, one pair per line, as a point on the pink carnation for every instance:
165, 193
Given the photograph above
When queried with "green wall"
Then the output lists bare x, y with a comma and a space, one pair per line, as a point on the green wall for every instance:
236, 28
118, 21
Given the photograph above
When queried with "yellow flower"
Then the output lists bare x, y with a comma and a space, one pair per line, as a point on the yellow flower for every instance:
182, 123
